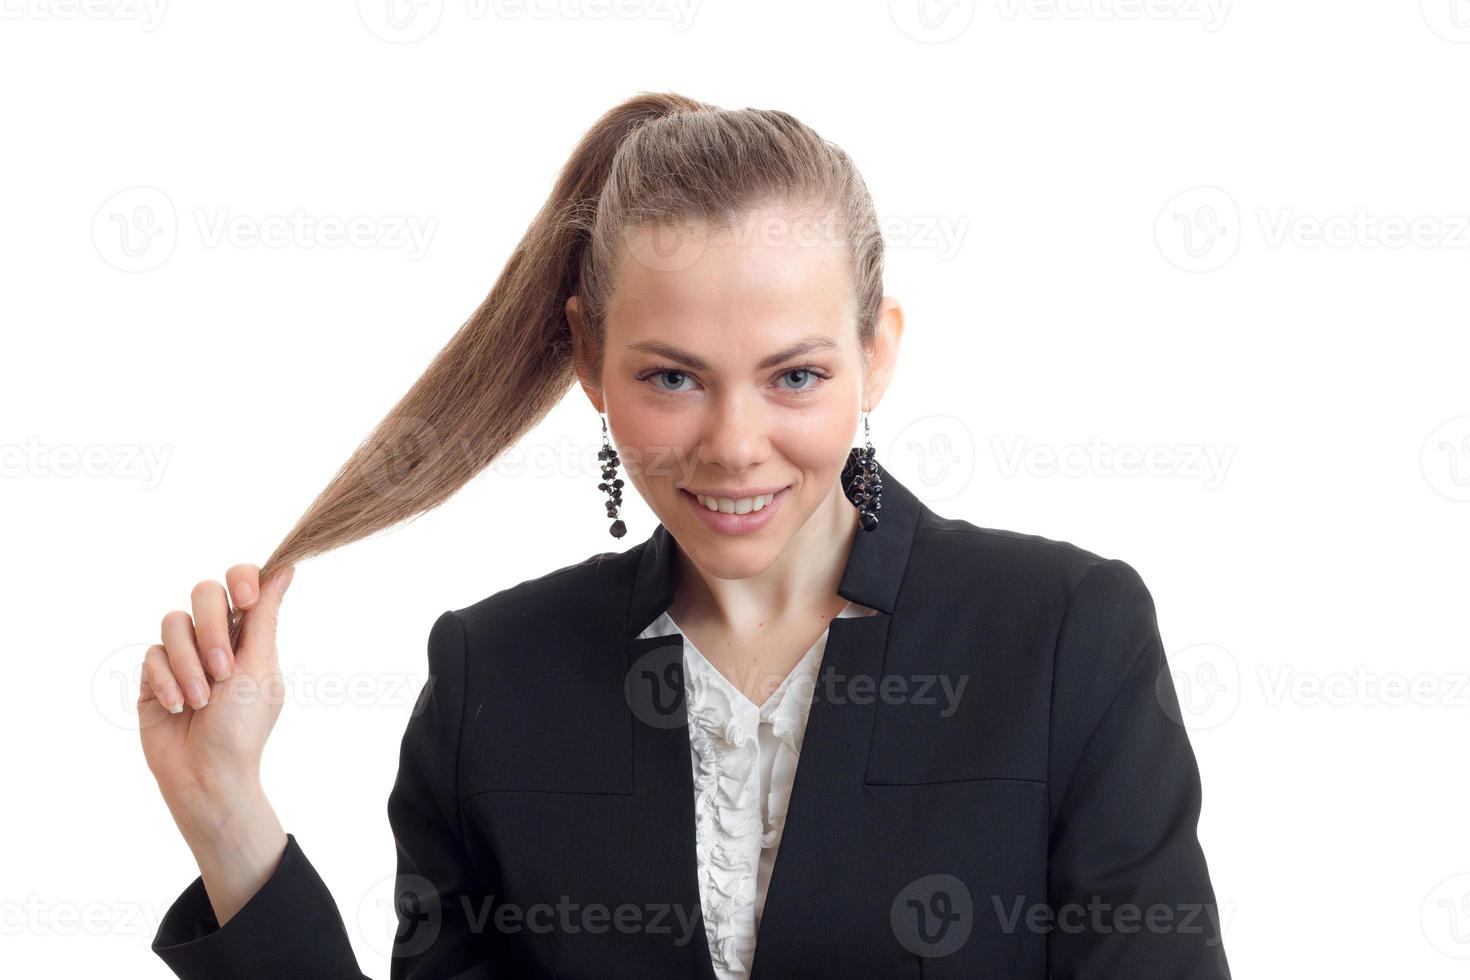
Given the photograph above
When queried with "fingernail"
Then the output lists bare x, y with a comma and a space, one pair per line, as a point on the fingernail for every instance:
194, 690
244, 595
219, 663
175, 702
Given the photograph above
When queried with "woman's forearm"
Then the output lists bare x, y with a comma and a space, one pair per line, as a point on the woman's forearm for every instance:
237, 844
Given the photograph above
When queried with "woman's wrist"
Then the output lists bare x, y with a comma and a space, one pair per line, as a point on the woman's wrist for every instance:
237, 841
204, 812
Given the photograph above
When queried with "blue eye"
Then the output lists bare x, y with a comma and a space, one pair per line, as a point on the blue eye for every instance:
664, 373
809, 372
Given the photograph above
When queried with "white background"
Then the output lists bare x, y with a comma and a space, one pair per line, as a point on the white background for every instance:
1231, 237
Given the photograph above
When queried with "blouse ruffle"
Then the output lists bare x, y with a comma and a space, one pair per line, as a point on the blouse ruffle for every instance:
731, 833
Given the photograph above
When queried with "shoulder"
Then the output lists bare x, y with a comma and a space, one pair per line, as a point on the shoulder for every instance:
1040, 570
1085, 619
552, 609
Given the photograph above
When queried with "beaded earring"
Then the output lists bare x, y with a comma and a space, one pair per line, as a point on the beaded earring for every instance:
614, 487
862, 481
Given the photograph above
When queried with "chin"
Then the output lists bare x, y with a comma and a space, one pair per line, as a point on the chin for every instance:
734, 561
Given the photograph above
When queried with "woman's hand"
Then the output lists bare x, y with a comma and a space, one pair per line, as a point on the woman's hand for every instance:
205, 710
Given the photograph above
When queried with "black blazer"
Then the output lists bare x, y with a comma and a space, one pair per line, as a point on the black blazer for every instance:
1038, 821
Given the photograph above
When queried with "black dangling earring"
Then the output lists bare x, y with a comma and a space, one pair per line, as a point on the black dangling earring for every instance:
614, 487
862, 481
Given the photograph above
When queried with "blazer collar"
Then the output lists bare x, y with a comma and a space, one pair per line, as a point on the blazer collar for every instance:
871, 577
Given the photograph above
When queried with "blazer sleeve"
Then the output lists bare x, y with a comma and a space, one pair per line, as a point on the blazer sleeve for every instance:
291, 927
1128, 888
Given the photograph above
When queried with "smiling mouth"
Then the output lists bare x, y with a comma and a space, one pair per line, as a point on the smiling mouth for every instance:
734, 505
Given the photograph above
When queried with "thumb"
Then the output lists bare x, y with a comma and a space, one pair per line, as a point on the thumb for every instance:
261, 618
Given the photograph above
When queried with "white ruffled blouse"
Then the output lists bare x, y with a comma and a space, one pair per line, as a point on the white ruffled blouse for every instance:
744, 760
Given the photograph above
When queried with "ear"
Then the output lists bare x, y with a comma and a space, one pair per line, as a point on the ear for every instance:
583, 351
882, 356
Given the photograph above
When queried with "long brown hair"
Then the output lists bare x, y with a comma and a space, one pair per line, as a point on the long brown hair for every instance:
658, 158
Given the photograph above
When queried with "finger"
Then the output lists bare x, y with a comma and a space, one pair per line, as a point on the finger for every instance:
244, 582
212, 627
183, 658
260, 625
158, 681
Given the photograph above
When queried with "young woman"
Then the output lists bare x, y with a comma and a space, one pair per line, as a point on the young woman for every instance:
808, 727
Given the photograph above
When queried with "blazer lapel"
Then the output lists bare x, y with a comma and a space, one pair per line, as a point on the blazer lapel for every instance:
834, 751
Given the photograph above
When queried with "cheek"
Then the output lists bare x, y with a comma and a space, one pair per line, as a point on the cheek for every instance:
654, 443
829, 422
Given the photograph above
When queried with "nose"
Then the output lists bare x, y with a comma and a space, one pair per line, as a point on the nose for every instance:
735, 437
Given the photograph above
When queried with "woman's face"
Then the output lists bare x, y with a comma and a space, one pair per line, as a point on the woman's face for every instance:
732, 368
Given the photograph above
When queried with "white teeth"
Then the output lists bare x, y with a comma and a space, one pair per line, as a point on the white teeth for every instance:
742, 506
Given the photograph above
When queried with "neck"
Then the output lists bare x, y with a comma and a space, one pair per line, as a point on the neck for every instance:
801, 583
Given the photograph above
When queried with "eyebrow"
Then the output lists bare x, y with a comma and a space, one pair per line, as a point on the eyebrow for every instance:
807, 345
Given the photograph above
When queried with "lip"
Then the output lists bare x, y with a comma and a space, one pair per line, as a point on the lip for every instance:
735, 494
736, 524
